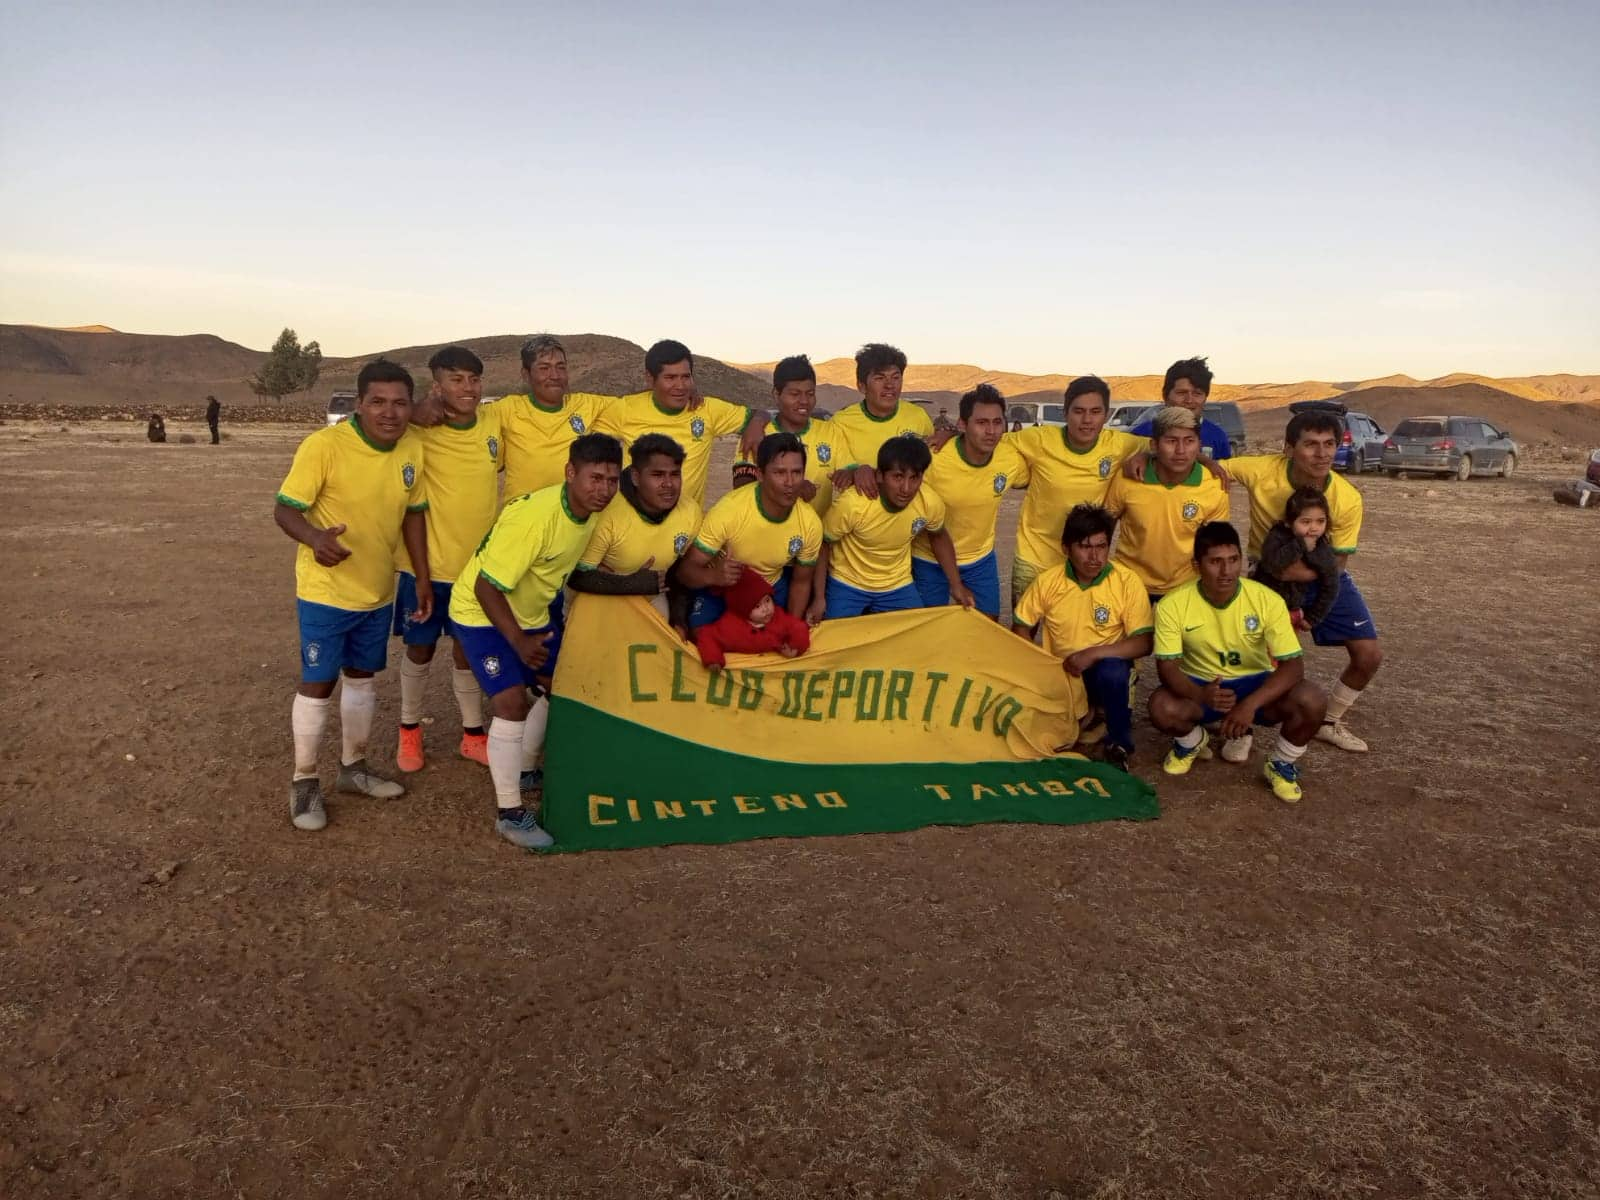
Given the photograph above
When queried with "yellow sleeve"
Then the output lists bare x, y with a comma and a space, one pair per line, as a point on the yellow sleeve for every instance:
1021, 472
1346, 531
511, 549
1030, 609
923, 422
723, 418
1137, 617
1250, 468
1124, 444
600, 541
1116, 502
1169, 630
810, 536
309, 471
1282, 641
612, 417
1221, 510
936, 509
714, 530
840, 518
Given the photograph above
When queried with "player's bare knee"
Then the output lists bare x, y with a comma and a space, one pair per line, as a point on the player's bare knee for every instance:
420, 654
316, 689
1309, 701
510, 704
1168, 713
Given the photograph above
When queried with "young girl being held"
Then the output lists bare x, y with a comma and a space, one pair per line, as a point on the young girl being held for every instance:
1301, 537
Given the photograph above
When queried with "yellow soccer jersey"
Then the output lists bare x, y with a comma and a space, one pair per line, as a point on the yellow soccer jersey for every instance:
1246, 636
1076, 615
971, 496
463, 462
872, 543
827, 450
537, 440
1156, 524
528, 555
1266, 478
340, 478
739, 522
1059, 478
634, 416
625, 539
865, 434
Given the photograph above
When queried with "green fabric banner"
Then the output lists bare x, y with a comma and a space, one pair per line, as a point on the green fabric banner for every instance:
612, 784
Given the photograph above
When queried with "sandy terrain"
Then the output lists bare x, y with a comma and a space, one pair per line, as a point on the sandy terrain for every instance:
1392, 989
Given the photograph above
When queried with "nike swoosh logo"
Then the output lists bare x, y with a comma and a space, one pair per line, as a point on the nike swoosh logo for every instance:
1358, 622
1190, 628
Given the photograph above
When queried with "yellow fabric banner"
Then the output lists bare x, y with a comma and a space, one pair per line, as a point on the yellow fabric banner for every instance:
942, 685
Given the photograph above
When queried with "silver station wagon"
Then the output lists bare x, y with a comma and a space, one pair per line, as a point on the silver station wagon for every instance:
1446, 446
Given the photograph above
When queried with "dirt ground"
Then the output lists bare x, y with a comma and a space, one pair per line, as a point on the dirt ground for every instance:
1392, 989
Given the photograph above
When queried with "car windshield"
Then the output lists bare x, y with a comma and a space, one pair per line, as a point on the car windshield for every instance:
1055, 412
1419, 429
342, 404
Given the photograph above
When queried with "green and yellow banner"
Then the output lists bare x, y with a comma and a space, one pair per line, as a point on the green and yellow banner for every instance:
889, 722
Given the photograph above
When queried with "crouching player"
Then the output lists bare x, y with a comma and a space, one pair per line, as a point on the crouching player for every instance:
1226, 651
501, 611
865, 565
354, 490
462, 465
1096, 619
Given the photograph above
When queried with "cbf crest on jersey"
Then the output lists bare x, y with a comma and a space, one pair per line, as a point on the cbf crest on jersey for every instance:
1102, 614
1191, 510
918, 525
576, 421
697, 428
999, 483
494, 449
824, 453
680, 543
409, 474
796, 543
313, 653
1105, 467
1252, 623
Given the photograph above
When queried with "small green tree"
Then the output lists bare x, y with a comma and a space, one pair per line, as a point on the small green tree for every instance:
289, 367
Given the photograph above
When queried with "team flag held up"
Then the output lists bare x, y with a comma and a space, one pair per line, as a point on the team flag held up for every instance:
889, 722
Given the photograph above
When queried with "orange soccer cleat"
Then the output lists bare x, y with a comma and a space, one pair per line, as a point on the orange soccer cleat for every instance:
476, 747
409, 756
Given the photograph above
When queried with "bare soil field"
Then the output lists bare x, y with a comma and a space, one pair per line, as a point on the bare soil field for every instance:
1391, 989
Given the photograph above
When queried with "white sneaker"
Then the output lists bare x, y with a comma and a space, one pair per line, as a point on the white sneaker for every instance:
359, 778
1335, 733
1237, 750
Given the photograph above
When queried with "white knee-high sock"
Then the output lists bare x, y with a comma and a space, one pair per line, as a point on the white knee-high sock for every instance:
308, 718
469, 698
358, 701
1286, 751
505, 761
413, 687
1340, 698
533, 733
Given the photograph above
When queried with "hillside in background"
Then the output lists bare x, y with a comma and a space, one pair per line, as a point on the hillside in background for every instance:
94, 365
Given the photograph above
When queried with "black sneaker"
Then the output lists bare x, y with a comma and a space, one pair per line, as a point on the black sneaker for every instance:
305, 805
1117, 756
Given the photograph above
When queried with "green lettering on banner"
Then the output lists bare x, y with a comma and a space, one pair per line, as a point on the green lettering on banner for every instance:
793, 692
844, 686
719, 689
899, 692
814, 695
961, 702
984, 706
679, 692
935, 678
1004, 713
867, 706
634, 651
750, 685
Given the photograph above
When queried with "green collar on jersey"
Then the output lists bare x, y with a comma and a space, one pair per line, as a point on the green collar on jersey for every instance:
544, 408
669, 412
1288, 473
1237, 588
472, 424
1073, 575
566, 507
868, 413
961, 449
1192, 479
1089, 449
762, 508
355, 423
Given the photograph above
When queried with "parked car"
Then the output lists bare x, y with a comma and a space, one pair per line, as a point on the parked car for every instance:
341, 405
1220, 412
1361, 438
1445, 446
1031, 412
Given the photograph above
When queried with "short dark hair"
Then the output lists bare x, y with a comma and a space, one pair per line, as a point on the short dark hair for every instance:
904, 452
595, 448
984, 393
876, 356
796, 368
456, 358
1192, 369
1214, 533
1315, 421
663, 354
775, 444
1301, 499
538, 346
1084, 521
1083, 385
652, 444
381, 370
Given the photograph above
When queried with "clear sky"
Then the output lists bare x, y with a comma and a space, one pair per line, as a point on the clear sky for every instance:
1331, 191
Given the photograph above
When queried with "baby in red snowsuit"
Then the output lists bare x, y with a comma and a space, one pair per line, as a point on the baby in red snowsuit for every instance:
753, 624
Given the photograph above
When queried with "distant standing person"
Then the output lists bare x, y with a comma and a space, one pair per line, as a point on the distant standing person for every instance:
1188, 384
156, 430
213, 417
